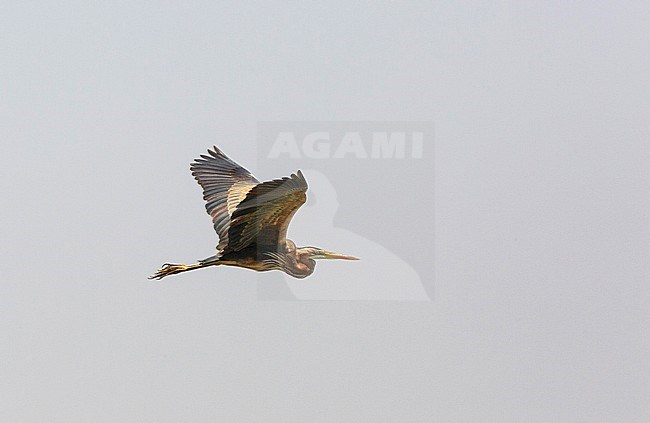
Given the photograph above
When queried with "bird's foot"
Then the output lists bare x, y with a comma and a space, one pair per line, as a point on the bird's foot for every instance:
169, 269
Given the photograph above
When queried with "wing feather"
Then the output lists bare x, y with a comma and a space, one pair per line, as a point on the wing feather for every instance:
263, 216
225, 183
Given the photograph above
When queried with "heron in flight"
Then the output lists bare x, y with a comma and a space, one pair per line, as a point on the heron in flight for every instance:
251, 219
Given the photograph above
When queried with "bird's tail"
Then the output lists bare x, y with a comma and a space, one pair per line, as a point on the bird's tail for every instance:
172, 269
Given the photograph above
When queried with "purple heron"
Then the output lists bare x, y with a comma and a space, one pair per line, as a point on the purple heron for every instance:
251, 219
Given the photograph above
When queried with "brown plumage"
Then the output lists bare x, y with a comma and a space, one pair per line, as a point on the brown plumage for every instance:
251, 219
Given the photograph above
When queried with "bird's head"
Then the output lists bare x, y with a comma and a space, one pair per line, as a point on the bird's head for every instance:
316, 253
300, 262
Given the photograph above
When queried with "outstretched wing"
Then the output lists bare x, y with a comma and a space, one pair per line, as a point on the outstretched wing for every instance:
262, 218
225, 184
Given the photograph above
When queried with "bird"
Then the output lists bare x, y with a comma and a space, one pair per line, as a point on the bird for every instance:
251, 220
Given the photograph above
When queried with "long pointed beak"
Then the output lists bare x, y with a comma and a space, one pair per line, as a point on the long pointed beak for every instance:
328, 255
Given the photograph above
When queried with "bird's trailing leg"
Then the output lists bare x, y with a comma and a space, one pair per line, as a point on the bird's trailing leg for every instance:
172, 269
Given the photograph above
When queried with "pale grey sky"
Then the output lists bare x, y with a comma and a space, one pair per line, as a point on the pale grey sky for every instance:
539, 275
